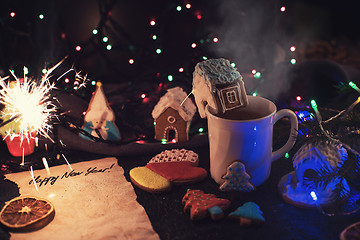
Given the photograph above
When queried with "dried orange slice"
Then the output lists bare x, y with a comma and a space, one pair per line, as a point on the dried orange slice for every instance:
25, 214
352, 232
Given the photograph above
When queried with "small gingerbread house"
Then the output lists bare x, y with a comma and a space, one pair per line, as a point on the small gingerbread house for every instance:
172, 118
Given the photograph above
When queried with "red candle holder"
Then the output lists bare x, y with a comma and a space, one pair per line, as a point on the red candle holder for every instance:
21, 145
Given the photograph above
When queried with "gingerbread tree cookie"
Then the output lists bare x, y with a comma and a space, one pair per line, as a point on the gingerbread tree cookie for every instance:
248, 214
236, 179
201, 204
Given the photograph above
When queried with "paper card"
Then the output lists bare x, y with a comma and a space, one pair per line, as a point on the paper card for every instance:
92, 201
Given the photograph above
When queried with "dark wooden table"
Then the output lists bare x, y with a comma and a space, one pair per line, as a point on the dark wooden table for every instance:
165, 211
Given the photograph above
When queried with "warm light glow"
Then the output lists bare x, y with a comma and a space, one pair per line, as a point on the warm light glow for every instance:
292, 48
12, 14
298, 98
143, 95
181, 69
253, 71
66, 80
188, 5
29, 102
215, 39
78, 48
283, 8
152, 22
131, 61
198, 15
193, 45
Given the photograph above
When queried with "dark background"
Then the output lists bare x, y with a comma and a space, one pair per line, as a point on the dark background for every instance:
252, 34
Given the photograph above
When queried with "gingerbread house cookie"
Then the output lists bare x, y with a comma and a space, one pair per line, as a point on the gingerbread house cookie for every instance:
218, 84
298, 188
172, 117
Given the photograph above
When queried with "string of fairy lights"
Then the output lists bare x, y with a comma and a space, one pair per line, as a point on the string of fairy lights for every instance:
108, 35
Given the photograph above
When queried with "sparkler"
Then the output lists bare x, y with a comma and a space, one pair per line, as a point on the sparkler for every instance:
28, 107
33, 178
23, 158
46, 165
67, 162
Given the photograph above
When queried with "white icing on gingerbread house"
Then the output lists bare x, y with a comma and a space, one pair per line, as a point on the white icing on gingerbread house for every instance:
172, 119
218, 84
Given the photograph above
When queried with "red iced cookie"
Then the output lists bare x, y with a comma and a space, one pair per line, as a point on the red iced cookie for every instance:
175, 166
178, 172
201, 204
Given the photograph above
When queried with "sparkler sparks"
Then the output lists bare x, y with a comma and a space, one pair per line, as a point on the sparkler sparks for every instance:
27, 106
33, 177
46, 165
67, 161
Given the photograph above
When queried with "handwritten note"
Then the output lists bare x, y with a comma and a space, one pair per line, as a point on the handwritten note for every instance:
44, 180
92, 201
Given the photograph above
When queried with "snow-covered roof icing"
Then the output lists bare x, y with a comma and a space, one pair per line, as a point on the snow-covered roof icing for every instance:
217, 72
98, 107
173, 98
321, 152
